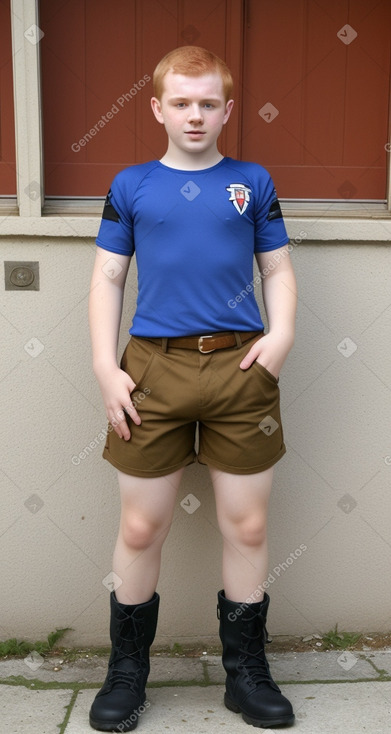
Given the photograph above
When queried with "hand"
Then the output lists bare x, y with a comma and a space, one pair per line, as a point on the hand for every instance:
116, 388
270, 351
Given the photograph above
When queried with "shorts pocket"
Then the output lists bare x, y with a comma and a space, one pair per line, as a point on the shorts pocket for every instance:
137, 361
260, 368
147, 367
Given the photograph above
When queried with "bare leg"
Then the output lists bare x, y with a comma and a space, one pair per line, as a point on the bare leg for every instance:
147, 507
241, 504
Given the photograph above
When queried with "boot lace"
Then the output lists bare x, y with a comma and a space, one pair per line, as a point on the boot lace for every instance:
129, 650
252, 657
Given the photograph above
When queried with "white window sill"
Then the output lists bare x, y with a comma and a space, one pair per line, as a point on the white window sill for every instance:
311, 221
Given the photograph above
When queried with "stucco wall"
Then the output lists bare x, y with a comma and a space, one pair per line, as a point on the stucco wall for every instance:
331, 491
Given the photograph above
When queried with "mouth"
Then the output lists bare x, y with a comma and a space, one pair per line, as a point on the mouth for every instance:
197, 133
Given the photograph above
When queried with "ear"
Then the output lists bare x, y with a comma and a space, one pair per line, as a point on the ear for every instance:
228, 110
157, 109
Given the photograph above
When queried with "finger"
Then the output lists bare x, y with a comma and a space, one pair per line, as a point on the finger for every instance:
249, 358
120, 427
132, 413
119, 424
131, 408
129, 383
123, 430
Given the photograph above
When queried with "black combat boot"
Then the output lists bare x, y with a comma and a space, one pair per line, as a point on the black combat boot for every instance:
250, 688
121, 700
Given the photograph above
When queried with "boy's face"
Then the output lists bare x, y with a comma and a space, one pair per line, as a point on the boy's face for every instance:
193, 111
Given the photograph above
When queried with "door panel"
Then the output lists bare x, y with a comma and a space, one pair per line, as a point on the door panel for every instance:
332, 96
311, 96
92, 61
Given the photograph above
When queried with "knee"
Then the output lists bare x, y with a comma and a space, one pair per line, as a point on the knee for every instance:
250, 532
138, 533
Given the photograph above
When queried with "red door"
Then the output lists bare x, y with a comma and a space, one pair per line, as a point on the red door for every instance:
311, 97
97, 65
316, 80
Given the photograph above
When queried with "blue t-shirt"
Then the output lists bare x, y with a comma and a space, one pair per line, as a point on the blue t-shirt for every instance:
194, 234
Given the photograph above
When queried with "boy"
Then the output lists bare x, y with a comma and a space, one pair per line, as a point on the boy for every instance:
197, 356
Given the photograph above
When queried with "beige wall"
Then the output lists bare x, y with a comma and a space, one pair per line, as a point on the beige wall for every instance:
335, 413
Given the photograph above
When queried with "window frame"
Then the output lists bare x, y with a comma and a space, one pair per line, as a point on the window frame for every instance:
31, 213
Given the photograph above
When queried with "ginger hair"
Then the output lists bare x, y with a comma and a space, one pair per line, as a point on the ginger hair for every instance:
192, 61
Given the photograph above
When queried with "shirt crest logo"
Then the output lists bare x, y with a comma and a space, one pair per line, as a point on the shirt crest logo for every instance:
240, 196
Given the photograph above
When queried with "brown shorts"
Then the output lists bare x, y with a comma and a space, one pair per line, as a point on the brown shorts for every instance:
237, 411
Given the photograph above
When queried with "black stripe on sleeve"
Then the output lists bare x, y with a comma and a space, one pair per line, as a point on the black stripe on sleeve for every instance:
108, 210
274, 211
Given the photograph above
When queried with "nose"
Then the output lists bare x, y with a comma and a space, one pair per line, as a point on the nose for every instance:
195, 114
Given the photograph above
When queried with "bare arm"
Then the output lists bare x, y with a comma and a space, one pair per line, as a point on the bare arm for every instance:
105, 310
280, 299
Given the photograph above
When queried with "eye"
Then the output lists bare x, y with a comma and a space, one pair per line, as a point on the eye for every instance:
208, 106
180, 105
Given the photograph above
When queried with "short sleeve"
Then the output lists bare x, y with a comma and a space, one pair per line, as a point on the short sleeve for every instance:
270, 231
116, 227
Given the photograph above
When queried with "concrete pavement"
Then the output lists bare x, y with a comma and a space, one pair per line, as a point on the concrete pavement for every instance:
331, 692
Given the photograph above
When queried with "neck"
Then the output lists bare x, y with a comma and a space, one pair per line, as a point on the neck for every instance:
182, 160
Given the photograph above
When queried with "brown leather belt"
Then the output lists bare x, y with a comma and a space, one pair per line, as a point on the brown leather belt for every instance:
208, 342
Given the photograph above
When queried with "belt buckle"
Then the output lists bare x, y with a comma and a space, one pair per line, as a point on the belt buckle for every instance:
200, 345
